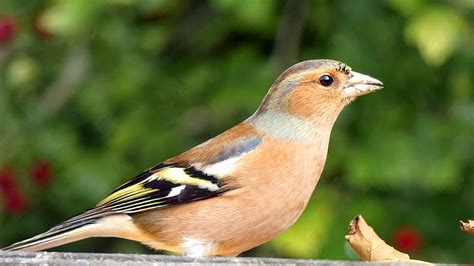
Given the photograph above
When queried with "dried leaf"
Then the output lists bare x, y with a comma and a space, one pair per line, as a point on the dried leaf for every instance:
369, 245
467, 226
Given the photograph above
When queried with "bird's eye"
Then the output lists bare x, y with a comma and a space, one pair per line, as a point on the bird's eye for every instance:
326, 80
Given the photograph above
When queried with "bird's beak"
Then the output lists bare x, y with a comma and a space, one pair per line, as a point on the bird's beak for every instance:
359, 84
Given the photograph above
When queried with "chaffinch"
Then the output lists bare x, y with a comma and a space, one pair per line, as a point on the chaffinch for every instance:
237, 190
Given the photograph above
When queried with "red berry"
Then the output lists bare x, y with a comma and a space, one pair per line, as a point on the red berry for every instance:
408, 239
7, 180
8, 28
15, 201
42, 172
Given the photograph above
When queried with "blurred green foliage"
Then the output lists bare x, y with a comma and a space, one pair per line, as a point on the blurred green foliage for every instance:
99, 90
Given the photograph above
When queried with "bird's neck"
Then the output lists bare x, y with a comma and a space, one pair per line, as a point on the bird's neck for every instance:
285, 126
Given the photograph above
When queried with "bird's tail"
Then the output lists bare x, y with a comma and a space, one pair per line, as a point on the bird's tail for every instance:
79, 227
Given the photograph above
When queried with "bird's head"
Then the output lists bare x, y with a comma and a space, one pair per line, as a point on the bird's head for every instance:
306, 99
317, 89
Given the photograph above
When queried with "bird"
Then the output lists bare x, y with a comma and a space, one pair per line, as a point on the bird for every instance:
237, 190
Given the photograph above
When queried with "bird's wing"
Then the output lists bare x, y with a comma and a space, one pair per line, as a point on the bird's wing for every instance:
162, 186
195, 175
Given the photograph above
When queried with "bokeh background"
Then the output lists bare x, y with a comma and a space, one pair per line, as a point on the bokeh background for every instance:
93, 92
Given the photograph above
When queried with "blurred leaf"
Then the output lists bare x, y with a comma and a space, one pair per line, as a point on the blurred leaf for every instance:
436, 32
71, 18
22, 72
407, 7
405, 161
251, 15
